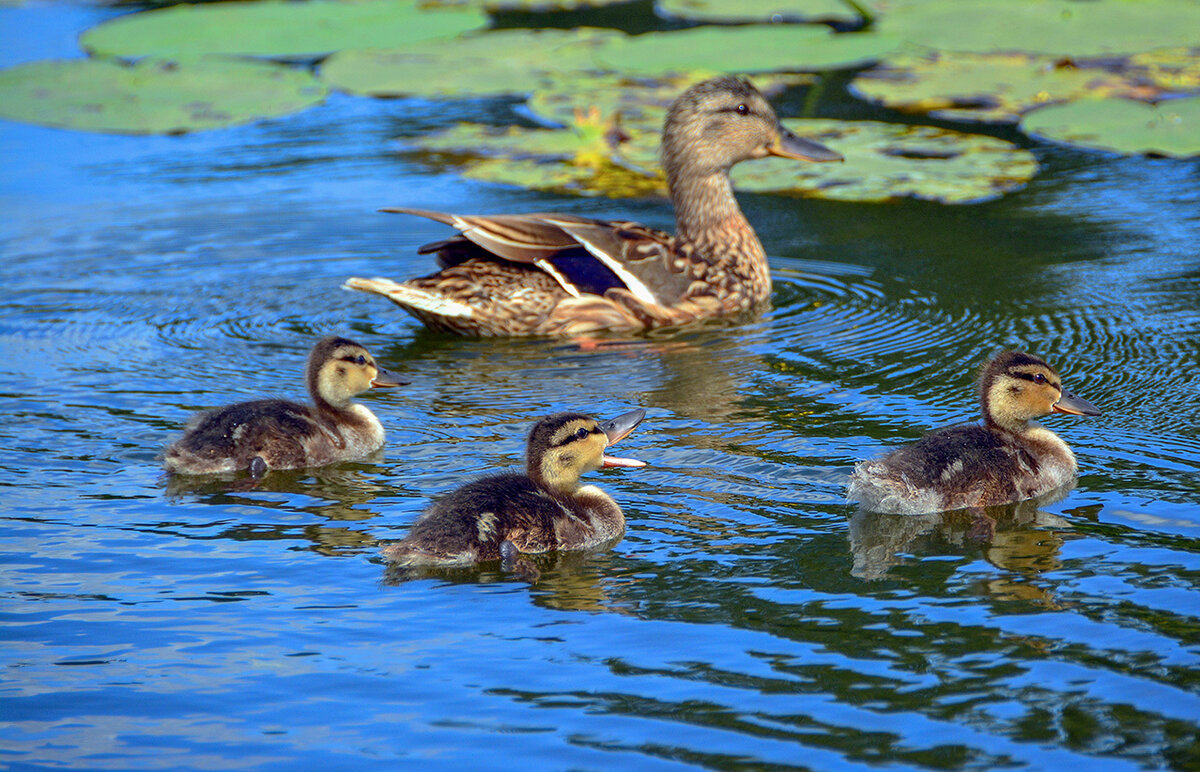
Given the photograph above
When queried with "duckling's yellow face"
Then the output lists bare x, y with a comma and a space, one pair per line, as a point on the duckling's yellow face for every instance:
566, 445
573, 449
1023, 392
1019, 387
347, 370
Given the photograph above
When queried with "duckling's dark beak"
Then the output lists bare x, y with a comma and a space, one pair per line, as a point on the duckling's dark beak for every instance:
617, 429
790, 146
386, 378
1069, 403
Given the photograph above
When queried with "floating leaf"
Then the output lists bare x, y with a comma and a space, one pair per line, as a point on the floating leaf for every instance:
525, 6
985, 87
884, 161
1054, 27
153, 96
1170, 128
752, 48
276, 28
641, 102
743, 11
493, 63
576, 160
1173, 69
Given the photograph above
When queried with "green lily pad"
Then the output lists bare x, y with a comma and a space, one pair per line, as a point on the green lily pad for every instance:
1170, 128
745, 11
752, 48
505, 62
153, 96
884, 161
995, 88
525, 6
576, 160
641, 102
276, 28
1172, 69
1052, 27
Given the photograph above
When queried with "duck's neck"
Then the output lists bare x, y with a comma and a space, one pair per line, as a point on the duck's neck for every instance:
708, 217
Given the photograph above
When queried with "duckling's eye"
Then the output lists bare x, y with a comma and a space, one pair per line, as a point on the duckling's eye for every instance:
362, 360
742, 109
582, 433
1039, 378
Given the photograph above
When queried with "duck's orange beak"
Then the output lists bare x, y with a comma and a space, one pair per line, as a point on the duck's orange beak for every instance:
790, 146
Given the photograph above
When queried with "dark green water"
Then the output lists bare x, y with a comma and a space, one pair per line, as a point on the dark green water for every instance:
749, 618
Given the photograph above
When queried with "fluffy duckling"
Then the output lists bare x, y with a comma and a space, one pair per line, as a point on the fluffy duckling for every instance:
544, 509
1011, 457
278, 434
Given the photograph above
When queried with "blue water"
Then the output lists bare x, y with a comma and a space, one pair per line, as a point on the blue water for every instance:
749, 618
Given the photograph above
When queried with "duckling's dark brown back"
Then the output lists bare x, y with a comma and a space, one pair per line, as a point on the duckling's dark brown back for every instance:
471, 522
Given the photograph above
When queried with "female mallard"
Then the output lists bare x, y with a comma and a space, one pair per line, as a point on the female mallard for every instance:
277, 434
559, 274
1011, 457
544, 509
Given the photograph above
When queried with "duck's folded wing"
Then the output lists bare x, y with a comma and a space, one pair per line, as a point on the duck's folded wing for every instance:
585, 256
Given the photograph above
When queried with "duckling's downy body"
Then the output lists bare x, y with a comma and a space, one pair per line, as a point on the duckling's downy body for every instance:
560, 274
542, 510
1011, 457
278, 434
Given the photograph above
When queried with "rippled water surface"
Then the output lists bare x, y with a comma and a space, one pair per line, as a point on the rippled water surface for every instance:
749, 618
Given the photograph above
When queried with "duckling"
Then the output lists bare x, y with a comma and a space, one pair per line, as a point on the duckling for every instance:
278, 434
1011, 457
565, 275
542, 510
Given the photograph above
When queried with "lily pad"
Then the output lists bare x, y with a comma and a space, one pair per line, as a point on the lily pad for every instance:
745, 11
153, 96
751, 48
995, 88
505, 62
1052, 27
276, 28
641, 102
1172, 69
576, 160
1170, 128
884, 161
526, 6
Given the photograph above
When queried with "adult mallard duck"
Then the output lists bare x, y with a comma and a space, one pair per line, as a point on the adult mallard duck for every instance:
504, 515
560, 274
278, 434
1011, 457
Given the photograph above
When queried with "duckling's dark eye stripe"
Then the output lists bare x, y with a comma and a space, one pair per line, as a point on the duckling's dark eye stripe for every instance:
1033, 378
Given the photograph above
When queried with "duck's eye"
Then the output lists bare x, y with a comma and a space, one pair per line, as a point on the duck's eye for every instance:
742, 109
1039, 378
582, 433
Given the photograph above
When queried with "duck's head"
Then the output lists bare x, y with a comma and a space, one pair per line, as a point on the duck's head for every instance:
339, 368
1016, 388
720, 122
563, 446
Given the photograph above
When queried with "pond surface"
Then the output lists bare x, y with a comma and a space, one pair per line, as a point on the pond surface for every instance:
749, 618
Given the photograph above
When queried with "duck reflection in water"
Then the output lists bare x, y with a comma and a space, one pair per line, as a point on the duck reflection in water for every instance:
1019, 537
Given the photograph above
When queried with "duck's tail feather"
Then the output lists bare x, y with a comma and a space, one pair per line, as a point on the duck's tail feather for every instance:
419, 301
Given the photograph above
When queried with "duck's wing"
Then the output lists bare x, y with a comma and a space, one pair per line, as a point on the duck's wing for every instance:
585, 256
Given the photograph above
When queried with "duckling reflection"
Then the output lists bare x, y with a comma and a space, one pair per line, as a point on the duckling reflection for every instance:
1018, 537
278, 434
342, 492
507, 515
1010, 458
